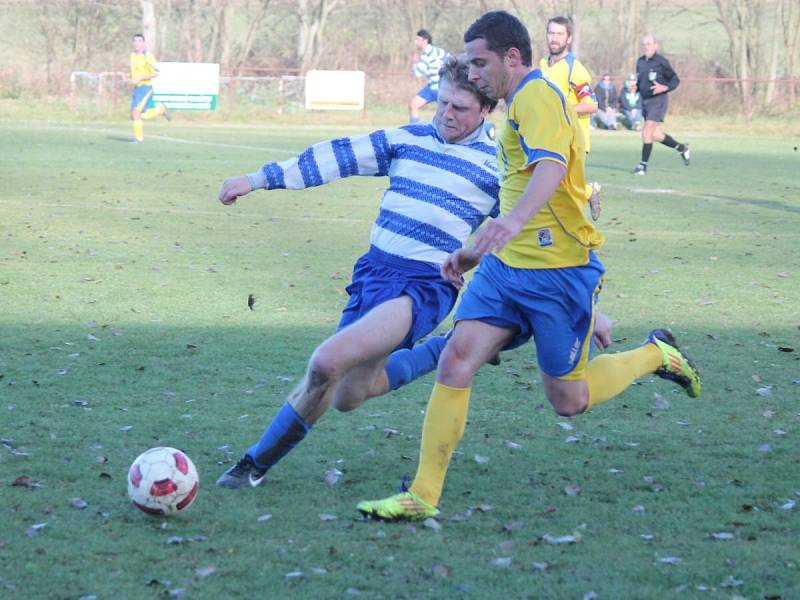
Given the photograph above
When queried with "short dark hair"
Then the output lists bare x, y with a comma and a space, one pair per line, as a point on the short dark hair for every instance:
501, 31
139, 35
456, 72
425, 34
563, 21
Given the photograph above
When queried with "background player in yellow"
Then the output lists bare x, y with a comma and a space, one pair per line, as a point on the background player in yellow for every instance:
575, 82
144, 68
538, 277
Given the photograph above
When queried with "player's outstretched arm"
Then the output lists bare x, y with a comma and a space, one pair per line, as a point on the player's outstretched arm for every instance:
233, 188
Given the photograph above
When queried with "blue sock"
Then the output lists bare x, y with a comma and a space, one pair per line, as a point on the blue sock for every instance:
404, 366
284, 433
413, 120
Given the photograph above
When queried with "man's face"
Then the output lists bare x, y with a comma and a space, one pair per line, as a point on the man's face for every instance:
487, 69
138, 44
649, 46
558, 40
458, 112
420, 42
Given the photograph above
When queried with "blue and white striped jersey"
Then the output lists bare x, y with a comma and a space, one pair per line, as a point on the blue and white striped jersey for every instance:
438, 194
430, 61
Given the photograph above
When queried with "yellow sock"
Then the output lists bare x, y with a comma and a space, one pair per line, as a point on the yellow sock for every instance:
152, 113
610, 374
444, 424
138, 130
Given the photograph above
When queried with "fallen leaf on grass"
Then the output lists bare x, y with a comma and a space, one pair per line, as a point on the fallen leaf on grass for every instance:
789, 505
541, 566
764, 390
440, 571
572, 490
565, 426
23, 481
177, 593
785, 348
294, 575
506, 546
481, 460
264, 518
559, 539
35, 529
432, 523
722, 536
731, 582
79, 503
669, 560
502, 562
513, 526
204, 571
661, 403
332, 476
327, 517
513, 445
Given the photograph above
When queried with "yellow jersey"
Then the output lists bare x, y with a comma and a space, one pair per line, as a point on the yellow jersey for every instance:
144, 64
575, 82
541, 125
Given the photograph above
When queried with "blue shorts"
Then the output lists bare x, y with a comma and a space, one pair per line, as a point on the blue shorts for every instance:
428, 93
379, 277
142, 98
554, 306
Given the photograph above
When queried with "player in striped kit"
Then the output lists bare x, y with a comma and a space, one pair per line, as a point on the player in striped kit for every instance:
442, 185
429, 60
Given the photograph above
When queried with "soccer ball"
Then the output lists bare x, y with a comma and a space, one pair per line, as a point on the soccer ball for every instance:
162, 481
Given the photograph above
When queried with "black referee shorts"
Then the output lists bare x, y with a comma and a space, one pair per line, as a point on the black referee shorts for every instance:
655, 108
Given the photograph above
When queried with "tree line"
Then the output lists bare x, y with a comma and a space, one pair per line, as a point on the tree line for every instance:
758, 39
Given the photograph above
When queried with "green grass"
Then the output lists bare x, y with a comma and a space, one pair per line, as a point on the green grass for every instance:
128, 245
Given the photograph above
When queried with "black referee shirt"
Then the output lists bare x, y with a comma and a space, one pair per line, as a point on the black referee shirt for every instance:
655, 68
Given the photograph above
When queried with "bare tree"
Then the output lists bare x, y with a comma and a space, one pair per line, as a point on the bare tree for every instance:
313, 16
746, 22
790, 20
149, 24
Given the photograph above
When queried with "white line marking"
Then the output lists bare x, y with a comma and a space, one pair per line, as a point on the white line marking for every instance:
164, 138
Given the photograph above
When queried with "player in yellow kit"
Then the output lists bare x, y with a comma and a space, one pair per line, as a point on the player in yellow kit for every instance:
144, 68
575, 83
538, 277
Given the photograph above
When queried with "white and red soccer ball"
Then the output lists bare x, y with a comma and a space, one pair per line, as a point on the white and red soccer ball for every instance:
162, 481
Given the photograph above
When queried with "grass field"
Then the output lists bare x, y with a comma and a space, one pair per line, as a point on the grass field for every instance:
124, 325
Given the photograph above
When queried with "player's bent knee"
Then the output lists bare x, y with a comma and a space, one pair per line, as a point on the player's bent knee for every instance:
569, 400
322, 369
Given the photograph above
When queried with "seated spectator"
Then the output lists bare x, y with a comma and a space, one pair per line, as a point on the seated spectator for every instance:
606, 92
630, 102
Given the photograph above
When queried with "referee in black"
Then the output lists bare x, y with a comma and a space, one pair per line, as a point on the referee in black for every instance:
655, 79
